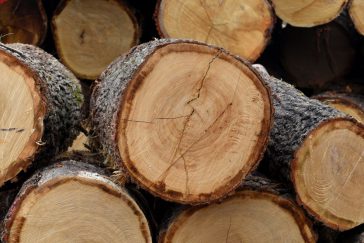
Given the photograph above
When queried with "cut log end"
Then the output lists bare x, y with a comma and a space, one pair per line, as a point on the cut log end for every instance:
21, 117
194, 121
22, 22
89, 35
242, 27
78, 206
308, 13
327, 171
248, 216
356, 11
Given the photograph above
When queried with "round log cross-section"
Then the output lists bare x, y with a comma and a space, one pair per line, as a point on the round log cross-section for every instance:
192, 122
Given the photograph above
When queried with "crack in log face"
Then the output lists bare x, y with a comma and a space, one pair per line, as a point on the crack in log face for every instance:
216, 95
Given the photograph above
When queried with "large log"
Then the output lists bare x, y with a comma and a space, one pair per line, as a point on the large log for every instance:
320, 150
259, 212
74, 202
186, 120
22, 22
242, 27
351, 104
40, 107
308, 13
89, 35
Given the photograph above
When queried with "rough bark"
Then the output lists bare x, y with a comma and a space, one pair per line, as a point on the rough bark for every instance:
297, 120
108, 100
61, 99
64, 170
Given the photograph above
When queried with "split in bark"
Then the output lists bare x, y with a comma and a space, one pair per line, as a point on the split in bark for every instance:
188, 120
22, 22
75, 202
40, 107
89, 35
242, 27
321, 150
308, 13
255, 213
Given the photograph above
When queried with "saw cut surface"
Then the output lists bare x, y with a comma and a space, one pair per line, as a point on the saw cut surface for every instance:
78, 210
356, 11
91, 34
329, 172
308, 13
19, 102
246, 217
192, 122
240, 26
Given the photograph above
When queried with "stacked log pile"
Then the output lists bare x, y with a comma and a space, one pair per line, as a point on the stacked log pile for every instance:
109, 134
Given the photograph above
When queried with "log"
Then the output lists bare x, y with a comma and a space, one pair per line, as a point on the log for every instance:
185, 120
258, 212
74, 201
308, 13
40, 107
327, 51
320, 150
356, 12
89, 35
351, 104
23, 22
242, 27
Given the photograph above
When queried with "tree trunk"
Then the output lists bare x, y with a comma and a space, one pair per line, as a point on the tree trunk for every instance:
40, 107
351, 104
242, 27
74, 201
23, 22
356, 11
258, 212
315, 57
308, 13
321, 151
89, 35
188, 120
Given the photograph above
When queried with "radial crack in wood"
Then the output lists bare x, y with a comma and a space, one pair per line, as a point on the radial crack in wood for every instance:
217, 108
308, 13
89, 35
242, 27
74, 201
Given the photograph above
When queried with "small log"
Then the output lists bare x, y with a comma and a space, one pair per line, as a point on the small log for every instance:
351, 104
356, 11
320, 150
315, 57
258, 212
185, 120
40, 107
89, 35
23, 22
242, 27
74, 202
308, 13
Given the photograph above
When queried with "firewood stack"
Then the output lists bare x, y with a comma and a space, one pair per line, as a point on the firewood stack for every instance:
134, 121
